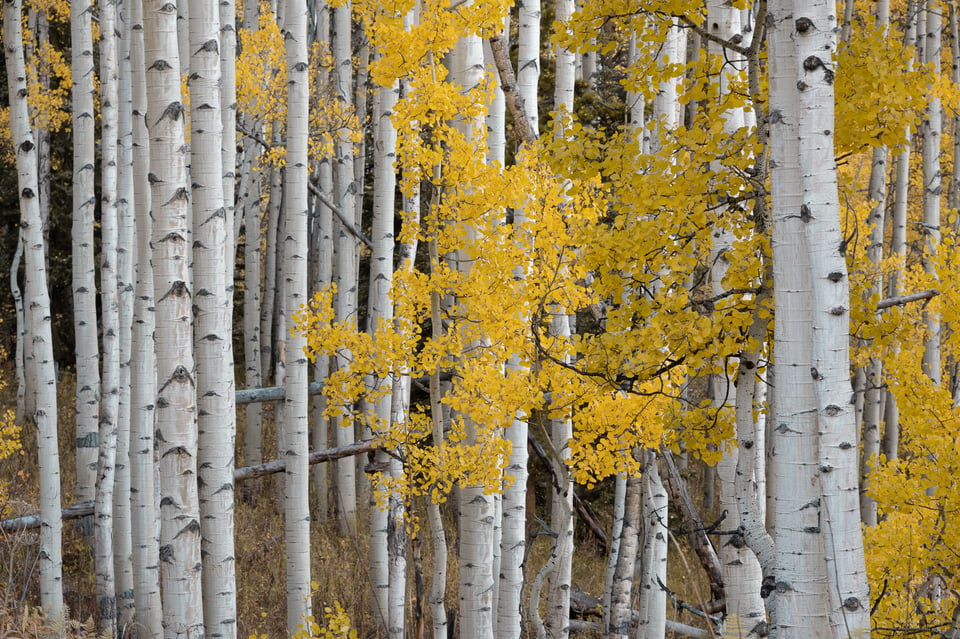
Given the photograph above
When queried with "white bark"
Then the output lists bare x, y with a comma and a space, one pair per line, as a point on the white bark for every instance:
930, 131
346, 264
176, 404
126, 257
653, 579
143, 381
87, 399
213, 335
381, 314
799, 607
619, 498
621, 587
838, 457
110, 322
44, 416
296, 442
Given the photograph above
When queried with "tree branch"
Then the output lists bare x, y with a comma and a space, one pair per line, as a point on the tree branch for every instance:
508, 84
900, 300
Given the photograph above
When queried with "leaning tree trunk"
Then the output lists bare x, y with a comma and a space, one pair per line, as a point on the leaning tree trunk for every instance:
44, 416
87, 401
176, 402
295, 428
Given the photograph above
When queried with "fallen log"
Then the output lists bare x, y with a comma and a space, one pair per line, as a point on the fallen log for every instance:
239, 474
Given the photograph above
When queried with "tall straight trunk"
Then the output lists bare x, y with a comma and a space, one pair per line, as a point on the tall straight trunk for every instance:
213, 339
126, 258
653, 576
741, 570
930, 133
838, 460
176, 402
613, 556
346, 264
621, 585
228, 114
889, 444
381, 314
295, 428
87, 398
875, 393
143, 381
44, 416
800, 604
323, 240
109, 319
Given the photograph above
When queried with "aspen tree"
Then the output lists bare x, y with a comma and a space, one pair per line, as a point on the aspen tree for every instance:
110, 321
874, 393
562, 325
213, 343
381, 311
170, 257
143, 381
126, 257
800, 606
820, 212
296, 443
44, 416
623, 575
741, 571
345, 268
84, 286
930, 134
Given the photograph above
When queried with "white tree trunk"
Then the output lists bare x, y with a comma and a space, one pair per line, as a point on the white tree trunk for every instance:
84, 285
346, 264
110, 321
213, 335
838, 457
295, 427
381, 314
143, 381
176, 403
621, 586
800, 606
44, 416
653, 579
619, 503
126, 257
930, 133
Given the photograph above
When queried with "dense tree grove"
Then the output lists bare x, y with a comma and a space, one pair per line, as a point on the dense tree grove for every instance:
657, 291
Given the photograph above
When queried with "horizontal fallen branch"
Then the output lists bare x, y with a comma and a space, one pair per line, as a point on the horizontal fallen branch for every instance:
271, 393
900, 300
682, 629
239, 474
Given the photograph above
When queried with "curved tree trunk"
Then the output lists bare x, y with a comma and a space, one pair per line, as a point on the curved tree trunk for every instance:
44, 416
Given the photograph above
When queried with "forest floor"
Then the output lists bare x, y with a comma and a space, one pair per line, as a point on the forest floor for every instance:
340, 565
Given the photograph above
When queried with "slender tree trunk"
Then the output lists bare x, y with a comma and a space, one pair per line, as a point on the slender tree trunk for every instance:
296, 432
623, 575
213, 342
619, 508
109, 320
381, 314
346, 266
176, 402
44, 416
653, 579
87, 400
143, 362
126, 258
930, 133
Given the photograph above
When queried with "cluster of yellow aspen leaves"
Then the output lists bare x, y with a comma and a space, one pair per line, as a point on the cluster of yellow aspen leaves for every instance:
622, 237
